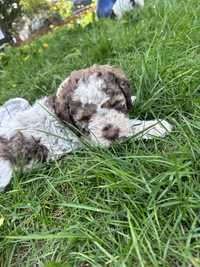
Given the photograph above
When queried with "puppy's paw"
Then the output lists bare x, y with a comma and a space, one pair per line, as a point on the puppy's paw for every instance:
5, 174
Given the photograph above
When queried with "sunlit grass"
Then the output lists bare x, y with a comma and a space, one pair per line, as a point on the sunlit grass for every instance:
136, 204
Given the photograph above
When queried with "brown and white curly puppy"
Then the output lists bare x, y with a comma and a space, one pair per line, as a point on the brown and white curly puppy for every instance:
94, 101
87, 95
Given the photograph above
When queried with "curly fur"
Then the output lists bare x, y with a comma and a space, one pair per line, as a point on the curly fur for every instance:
93, 101
86, 91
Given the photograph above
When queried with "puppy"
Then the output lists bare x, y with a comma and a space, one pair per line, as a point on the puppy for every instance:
92, 102
116, 8
122, 6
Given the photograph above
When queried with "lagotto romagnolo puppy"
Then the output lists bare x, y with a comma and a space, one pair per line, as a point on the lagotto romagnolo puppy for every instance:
93, 101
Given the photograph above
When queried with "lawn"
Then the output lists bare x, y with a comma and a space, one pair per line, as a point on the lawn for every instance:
138, 203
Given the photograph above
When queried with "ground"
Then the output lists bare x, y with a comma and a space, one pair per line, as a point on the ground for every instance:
138, 203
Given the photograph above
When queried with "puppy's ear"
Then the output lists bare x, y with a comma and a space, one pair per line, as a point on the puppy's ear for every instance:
62, 86
121, 80
70, 84
61, 108
62, 102
125, 86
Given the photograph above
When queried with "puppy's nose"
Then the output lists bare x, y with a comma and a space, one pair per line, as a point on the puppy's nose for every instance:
110, 132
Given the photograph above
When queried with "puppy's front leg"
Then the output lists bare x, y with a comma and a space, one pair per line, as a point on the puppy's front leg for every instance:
150, 129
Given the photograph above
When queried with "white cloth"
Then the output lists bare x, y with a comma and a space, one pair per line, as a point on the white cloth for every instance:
11, 108
37, 121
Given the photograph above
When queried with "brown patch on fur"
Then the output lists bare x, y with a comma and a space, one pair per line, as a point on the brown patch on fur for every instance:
74, 107
60, 107
86, 112
5, 152
110, 132
74, 113
117, 99
116, 82
62, 102
115, 79
20, 149
117, 88
116, 104
82, 114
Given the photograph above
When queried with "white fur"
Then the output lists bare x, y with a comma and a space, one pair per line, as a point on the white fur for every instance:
135, 128
122, 6
5, 174
90, 92
105, 117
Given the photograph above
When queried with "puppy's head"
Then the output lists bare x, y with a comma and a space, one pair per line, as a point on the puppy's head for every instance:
116, 86
86, 91
108, 126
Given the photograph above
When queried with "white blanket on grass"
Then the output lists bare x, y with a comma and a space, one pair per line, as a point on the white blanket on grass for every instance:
9, 110
17, 114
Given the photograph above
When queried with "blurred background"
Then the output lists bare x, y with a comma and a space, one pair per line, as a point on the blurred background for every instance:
24, 20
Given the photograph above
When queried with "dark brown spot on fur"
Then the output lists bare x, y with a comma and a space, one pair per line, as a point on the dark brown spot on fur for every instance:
74, 107
5, 152
82, 115
60, 107
126, 89
117, 88
119, 105
107, 127
22, 150
88, 111
3, 141
110, 132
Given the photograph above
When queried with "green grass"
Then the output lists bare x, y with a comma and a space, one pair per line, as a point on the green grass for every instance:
136, 204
